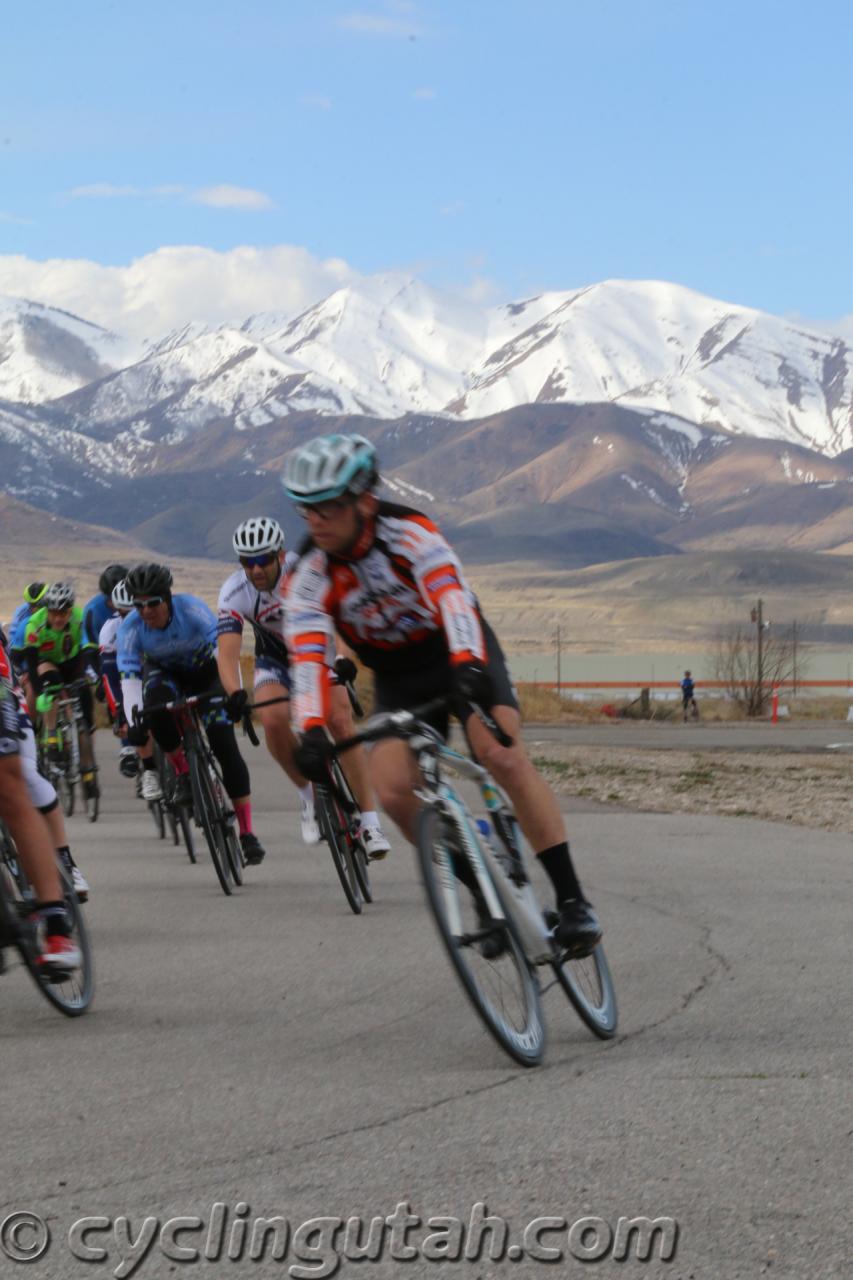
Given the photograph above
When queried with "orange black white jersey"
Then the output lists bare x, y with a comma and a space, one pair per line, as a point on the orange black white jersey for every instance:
400, 600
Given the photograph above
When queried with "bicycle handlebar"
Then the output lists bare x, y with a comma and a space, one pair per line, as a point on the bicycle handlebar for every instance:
404, 723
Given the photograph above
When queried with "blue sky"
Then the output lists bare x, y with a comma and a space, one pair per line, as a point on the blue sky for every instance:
499, 147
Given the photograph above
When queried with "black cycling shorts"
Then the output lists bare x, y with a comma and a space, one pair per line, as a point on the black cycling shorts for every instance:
405, 690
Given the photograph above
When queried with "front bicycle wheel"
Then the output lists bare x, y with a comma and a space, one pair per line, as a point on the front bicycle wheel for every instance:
349, 821
487, 955
333, 826
207, 815
70, 993
589, 985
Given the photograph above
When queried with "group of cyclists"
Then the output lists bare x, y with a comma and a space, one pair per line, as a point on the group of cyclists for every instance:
371, 580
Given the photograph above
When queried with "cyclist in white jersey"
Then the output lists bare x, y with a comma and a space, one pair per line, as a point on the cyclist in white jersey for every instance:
254, 593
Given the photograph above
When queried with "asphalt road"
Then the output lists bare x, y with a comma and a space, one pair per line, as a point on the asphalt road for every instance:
274, 1051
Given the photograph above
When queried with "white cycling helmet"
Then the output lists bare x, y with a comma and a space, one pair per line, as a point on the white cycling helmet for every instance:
254, 537
329, 467
60, 596
121, 597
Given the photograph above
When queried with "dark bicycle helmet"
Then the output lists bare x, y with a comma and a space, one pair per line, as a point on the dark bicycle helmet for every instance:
111, 575
34, 591
149, 580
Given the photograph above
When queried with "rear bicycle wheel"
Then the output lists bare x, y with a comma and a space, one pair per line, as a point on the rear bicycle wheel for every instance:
502, 988
334, 833
69, 992
589, 985
207, 815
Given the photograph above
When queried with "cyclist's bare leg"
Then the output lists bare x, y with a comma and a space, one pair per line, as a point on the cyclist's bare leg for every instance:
533, 800
353, 763
30, 832
395, 775
278, 733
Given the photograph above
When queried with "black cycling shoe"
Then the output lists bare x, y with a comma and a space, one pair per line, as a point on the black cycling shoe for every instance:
577, 929
183, 793
494, 944
253, 851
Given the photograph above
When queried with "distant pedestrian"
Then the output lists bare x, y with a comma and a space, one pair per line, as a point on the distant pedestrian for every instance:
688, 700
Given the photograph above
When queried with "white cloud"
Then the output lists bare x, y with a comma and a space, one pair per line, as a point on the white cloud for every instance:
221, 196
316, 100
374, 24
228, 197
14, 220
424, 94
177, 284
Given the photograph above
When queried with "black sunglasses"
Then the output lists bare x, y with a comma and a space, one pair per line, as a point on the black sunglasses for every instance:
250, 562
323, 510
150, 602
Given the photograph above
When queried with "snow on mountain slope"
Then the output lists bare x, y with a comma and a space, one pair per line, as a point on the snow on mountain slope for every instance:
389, 345
45, 352
392, 343
651, 345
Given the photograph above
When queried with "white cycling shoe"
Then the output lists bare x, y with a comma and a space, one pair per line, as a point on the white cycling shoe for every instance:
151, 789
375, 842
308, 820
81, 886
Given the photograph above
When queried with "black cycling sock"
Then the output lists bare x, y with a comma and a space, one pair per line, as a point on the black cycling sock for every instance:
557, 861
56, 922
149, 765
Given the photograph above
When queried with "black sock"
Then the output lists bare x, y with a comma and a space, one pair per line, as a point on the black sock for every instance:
557, 861
149, 765
55, 918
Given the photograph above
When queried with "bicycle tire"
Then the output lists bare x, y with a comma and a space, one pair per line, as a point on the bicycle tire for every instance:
71, 993
207, 815
523, 1038
330, 825
155, 808
347, 819
183, 826
588, 983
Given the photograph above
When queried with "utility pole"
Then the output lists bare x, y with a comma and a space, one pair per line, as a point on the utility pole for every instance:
757, 616
559, 655
794, 639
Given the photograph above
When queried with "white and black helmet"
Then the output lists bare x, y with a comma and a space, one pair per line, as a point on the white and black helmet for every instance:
329, 467
60, 596
254, 537
121, 597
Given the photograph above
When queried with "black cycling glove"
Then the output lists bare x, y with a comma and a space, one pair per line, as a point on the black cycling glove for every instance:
236, 704
472, 683
312, 755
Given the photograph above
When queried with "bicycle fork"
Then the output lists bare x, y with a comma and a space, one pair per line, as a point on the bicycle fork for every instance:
505, 895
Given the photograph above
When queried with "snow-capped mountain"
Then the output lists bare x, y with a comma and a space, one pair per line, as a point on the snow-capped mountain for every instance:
661, 346
46, 352
390, 346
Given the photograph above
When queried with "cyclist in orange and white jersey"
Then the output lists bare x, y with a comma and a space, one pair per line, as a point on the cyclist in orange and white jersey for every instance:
385, 578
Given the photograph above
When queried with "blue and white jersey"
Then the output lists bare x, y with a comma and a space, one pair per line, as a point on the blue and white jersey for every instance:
184, 644
95, 613
18, 625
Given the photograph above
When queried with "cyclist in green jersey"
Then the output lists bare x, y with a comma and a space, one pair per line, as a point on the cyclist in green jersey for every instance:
57, 652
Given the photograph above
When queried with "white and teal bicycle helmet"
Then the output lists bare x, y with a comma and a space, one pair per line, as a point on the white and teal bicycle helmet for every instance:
329, 467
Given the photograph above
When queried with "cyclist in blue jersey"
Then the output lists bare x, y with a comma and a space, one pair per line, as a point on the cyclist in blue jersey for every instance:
166, 649
100, 607
34, 594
